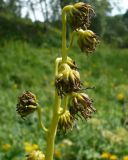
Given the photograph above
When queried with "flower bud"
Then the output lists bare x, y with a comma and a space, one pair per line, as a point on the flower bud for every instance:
87, 41
65, 122
27, 104
67, 80
36, 155
81, 105
80, 15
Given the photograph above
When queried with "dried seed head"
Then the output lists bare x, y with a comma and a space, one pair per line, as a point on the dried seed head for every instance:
36, 155
27, 104
81, 105
65, 122
87, 41
80, 15
67, 80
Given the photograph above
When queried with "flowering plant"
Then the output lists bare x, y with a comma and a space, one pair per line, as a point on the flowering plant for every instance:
68, 86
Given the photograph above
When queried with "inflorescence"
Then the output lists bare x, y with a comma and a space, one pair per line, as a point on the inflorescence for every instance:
68, 86
67, 81
27, 104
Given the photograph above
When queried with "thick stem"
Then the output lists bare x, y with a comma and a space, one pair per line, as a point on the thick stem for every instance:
53, 129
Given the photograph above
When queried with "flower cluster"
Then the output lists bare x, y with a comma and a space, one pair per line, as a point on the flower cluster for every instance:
106, 155
81, 105
27, 104
80, 15
67, 81
87, 41
65, 121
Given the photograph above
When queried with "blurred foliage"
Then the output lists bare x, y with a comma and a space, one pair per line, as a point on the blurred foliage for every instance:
116, 30
102, 8
24, 66
113, 29
26, 30
10, 7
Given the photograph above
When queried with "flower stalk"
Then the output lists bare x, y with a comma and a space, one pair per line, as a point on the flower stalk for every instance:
56, 108
64, 46
68, 86
41, 124
53, 129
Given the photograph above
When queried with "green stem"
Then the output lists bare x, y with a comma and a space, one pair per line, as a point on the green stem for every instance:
64, 47
71, 40
65, 105
57, 103
56, 65
41, 124
53, 129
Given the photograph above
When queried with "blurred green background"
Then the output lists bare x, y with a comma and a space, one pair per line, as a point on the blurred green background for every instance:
28, 48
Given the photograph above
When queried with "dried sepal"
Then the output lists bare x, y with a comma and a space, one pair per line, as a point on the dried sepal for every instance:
27, 104
66, 122
81, 105
67, 81
87, 40
70, 62
80, 15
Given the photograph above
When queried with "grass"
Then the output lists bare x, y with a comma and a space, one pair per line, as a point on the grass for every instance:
25, 67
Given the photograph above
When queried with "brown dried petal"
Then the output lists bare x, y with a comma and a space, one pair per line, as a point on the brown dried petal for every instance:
80, 16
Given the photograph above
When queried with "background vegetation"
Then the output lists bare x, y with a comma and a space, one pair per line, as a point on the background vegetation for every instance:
27, 53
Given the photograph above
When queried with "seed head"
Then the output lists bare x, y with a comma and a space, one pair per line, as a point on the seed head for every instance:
36, 155
81, 105
80, 15
27, 104
87, 41
67, 80
65, 122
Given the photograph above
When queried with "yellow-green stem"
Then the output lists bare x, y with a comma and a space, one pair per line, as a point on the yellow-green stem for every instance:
64, 47
41, 124
71, 40
54, 123
65, 105
53, 129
